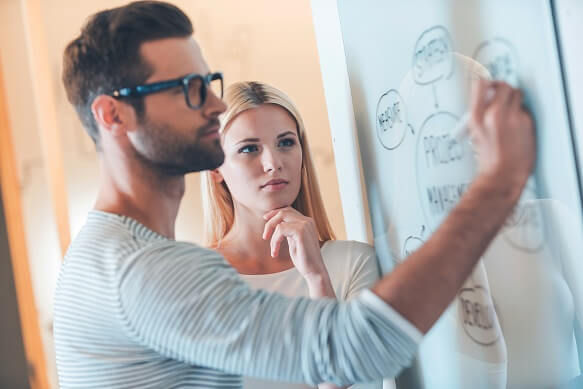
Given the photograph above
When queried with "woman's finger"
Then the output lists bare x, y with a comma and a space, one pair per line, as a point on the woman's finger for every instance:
286, 210
271, 213
287, 214
276, 211
271, 224
277, 240
283, 231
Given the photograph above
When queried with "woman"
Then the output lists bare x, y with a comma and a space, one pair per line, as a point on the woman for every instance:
264, 211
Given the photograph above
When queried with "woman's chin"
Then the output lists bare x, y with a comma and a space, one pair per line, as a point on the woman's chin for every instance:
277, 205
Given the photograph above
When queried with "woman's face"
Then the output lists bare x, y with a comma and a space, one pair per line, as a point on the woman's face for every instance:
263, 158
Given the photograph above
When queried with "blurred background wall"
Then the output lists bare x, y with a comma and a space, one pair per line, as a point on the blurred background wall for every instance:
55, 162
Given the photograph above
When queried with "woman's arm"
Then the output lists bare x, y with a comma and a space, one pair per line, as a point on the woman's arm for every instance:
320, 286
302, 237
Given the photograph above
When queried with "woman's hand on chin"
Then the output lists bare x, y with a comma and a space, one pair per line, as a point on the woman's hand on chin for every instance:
304, 247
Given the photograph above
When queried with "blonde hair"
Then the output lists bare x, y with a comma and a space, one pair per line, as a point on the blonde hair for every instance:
219, 213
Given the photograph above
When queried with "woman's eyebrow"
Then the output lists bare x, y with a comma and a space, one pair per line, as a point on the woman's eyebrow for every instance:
248, 140
286, 133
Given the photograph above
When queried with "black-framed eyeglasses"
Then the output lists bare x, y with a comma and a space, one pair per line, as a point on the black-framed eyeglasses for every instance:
194, 86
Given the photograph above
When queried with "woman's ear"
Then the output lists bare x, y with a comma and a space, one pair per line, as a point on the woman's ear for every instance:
217, 176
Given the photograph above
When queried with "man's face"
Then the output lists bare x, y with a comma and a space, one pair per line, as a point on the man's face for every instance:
172, 137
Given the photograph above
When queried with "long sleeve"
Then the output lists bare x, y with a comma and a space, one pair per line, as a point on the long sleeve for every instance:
363, 273
188, 304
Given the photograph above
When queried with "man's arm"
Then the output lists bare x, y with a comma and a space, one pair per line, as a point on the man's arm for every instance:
422, 287
188, 304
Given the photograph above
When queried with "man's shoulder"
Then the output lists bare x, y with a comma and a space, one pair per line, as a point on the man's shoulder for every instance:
169, 255
107, 237
178, 249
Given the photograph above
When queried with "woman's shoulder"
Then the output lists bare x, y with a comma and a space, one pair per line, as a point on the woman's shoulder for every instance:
354, 262
349, 247
349, 252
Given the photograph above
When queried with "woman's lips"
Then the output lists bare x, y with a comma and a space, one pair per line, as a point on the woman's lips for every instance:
274, 185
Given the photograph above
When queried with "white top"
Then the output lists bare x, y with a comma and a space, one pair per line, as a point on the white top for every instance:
352, 267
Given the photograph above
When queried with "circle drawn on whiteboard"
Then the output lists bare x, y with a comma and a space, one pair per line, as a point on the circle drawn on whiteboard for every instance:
477, 315
391, 119
499, 57
433, 56
524, 229
445, 167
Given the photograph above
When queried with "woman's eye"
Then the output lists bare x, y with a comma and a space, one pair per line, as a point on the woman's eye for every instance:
288, 142
248, 149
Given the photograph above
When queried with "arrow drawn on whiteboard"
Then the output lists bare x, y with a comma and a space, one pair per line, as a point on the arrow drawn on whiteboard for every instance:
435, 96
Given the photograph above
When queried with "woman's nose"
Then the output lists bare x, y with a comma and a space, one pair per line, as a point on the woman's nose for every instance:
270, 160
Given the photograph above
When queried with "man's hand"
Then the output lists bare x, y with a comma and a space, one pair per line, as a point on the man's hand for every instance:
502, 133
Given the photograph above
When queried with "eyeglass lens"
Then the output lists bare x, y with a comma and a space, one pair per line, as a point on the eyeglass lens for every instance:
197, 91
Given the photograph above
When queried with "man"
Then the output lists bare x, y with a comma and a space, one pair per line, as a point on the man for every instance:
134, 308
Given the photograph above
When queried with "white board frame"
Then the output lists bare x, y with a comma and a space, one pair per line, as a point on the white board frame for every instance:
567, 16
334, 70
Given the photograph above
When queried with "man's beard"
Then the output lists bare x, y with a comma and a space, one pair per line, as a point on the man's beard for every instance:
175, 154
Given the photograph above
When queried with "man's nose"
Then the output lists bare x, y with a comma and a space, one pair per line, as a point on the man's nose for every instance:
214, 106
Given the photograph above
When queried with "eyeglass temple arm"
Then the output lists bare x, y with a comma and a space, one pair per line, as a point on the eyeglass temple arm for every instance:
141, 90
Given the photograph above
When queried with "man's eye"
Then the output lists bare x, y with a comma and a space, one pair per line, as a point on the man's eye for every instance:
248, 149
288, 142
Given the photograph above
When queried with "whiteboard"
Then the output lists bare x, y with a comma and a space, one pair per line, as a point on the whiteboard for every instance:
396, 78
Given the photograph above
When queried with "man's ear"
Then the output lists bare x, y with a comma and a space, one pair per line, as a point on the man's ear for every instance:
217, 176
112, 115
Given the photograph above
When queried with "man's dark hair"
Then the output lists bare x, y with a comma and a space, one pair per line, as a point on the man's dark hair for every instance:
106, 55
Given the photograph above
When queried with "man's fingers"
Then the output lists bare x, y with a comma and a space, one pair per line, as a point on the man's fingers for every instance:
500, 110
502, 96
478, 101
517, 100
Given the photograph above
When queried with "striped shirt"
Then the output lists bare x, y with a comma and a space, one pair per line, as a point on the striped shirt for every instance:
134, 309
